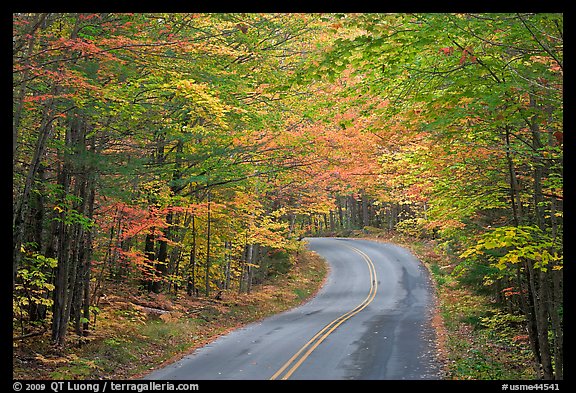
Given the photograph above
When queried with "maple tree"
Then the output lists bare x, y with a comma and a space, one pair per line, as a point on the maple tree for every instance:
160, 118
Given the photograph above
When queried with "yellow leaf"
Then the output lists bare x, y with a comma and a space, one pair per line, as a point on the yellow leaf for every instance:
513, 258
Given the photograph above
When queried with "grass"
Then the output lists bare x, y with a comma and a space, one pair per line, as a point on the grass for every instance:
128, 342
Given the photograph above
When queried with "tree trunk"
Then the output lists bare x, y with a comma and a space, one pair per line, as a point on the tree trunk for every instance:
365, 215
514, 187
191, 286
208, 262
340, 213
161, 266
36, 219
228, 257
543, 326
21, 208
556, 301
61, 312
76, 251
17, 114
150, 254
88, 248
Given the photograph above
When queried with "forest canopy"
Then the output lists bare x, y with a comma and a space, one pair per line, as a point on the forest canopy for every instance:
189, 153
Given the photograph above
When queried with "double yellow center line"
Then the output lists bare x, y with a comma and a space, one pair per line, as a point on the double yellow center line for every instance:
299, 357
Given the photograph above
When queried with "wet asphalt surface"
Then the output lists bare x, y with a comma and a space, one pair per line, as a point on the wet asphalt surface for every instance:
373, 315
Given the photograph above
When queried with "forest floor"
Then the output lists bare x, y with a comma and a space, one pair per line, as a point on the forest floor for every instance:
136, 333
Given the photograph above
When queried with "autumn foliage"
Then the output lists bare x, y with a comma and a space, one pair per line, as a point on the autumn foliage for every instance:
188, 153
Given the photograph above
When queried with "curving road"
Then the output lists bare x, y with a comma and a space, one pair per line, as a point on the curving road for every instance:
371, 320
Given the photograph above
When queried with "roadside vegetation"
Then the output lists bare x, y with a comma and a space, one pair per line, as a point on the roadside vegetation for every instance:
137, 332
477, 337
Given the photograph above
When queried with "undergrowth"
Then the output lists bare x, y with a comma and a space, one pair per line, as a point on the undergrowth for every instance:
130, 340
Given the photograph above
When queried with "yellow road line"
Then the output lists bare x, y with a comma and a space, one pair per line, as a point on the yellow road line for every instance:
313, 343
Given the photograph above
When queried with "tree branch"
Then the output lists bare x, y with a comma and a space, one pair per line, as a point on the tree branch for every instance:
546, 49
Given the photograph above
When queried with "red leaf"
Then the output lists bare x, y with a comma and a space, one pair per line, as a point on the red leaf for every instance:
559, 135
447, 50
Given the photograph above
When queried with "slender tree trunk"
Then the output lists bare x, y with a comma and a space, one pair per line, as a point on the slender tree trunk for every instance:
332, 221
174, 261
349, 207
248, 266
242, 274
526, 301
228, 247
192, 263
543, 325
514, 188
249, 263
365, 215
556, 301
542, 301
208, 262
36, 219
292, 219
62, 293
88, 249
340, 213
161, 266
150, 254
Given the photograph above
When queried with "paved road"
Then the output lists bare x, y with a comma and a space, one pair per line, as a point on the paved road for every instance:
371, 320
